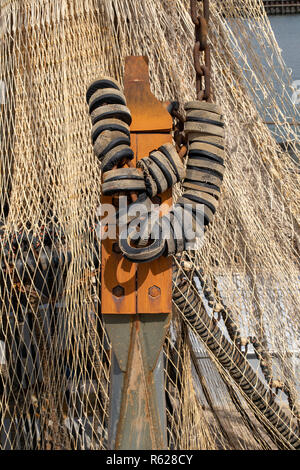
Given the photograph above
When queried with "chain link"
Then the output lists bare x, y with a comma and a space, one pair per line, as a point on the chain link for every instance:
203, 71
178, 128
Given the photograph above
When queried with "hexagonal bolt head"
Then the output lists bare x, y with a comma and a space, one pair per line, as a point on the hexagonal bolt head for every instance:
116, 248
118, 291
154, 291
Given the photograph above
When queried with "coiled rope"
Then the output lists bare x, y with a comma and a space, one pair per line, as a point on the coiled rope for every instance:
229, 356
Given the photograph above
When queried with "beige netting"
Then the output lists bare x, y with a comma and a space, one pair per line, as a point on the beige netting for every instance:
54, 352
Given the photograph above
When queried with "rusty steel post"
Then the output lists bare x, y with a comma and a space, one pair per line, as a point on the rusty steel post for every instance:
137, 299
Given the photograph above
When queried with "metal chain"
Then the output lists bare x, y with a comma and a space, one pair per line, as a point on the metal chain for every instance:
178, 129
203, 71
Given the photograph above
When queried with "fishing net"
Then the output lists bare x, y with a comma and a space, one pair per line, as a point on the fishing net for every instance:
54, 351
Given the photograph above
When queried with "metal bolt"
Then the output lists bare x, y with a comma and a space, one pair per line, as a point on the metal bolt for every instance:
116, 248
154, 291
118, 291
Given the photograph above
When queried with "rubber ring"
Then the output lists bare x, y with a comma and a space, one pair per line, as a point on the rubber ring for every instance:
100, 85
115, 143
207, 155
109, 127
206, 121
108, 98
163, 169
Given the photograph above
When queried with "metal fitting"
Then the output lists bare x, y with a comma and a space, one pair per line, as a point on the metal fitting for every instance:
118, 291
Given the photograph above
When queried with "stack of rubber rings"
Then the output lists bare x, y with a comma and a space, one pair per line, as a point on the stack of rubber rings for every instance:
154, 175
204, 129
111, 136
162, 169
158, 172
111, 140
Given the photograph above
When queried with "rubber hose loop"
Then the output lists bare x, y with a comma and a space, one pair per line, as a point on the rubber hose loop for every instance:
105, 82
143, 254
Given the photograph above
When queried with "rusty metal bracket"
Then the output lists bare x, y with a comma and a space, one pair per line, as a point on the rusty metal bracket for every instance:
136, 300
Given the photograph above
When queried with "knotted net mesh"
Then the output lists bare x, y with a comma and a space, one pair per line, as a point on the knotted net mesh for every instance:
54, 351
